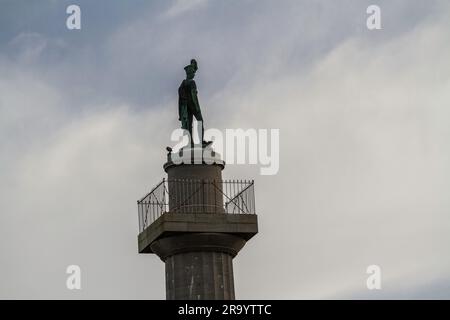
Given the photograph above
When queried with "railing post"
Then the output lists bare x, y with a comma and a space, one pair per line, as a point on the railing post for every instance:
203, 200
163, 207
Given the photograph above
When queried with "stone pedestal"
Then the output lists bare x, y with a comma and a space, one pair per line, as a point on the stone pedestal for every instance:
199, 265
197, 240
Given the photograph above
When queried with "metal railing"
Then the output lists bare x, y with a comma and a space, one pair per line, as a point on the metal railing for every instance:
196, 196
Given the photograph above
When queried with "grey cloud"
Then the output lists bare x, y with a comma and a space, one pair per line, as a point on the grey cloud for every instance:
363, 127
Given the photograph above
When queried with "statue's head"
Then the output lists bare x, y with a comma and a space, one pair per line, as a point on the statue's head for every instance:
191, 69
194, 64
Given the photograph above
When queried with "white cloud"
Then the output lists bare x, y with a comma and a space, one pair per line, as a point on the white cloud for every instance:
182, 6
364, 168
30, 45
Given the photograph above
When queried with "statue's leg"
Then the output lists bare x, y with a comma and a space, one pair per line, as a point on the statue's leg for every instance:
199, 118
184, 117
190, 118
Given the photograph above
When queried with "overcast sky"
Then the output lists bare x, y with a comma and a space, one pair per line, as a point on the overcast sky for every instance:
364, 177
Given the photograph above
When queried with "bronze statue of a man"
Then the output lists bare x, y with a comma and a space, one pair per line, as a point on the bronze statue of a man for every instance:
188, 105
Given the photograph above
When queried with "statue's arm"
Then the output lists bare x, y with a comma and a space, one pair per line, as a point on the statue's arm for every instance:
180, 112
195, 97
